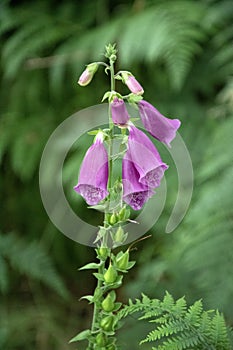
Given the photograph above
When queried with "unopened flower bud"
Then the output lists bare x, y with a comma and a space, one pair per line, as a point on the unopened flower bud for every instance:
119, 235
132, 83
108, 303
113, 219
107, 323
124, 214
122, 261
110, 275
103, 253
87, 74
100, 339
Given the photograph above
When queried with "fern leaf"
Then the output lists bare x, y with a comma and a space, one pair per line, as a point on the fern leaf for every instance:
31, 259
179, 327
3, 275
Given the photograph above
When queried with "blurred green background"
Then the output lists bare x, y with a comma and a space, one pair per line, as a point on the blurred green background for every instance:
181, 51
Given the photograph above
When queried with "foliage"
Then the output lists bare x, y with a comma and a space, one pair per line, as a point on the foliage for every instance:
29, 259
200, 259
178, 326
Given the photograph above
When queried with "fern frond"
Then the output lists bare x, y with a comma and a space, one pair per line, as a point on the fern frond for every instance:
180, 327
219, 334
30, 259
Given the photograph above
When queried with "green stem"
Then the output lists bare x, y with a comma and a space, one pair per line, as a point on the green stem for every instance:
111, 126
105, 239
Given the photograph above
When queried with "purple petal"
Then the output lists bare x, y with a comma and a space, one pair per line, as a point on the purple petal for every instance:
134, 85
135, 193
93, 195
85, 78
93, 176
120, 115
160, 127
146, 158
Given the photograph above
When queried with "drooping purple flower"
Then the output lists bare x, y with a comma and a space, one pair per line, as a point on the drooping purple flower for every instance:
160, 127
135, 193
120, 115
145, 157
132, 83
93, 176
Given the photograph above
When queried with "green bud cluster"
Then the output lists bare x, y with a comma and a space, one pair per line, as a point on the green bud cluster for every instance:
117, 217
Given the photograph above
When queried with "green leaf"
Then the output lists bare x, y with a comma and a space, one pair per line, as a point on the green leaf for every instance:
81, 336
99, 276
90, 266
90, 298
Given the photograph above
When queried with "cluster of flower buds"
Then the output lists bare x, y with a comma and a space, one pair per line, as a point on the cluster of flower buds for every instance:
111, 278
142, 167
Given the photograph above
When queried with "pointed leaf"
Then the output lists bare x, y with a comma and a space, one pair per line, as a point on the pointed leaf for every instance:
88, 297
90, 266
81, 336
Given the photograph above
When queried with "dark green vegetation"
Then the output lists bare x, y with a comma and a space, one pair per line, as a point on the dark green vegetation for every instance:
181, 52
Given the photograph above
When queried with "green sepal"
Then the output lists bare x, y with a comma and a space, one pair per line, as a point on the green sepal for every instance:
81, 336
100, 207
90, 298
125, 75
94, 132
99, 276
100, 234
134, 99
117, 306
106, 96
131, 264
110, 95
90, 266
118, 77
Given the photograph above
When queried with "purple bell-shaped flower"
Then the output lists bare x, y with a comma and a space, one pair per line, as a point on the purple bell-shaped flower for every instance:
160, 127
93, 176
145, 157
120, 115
